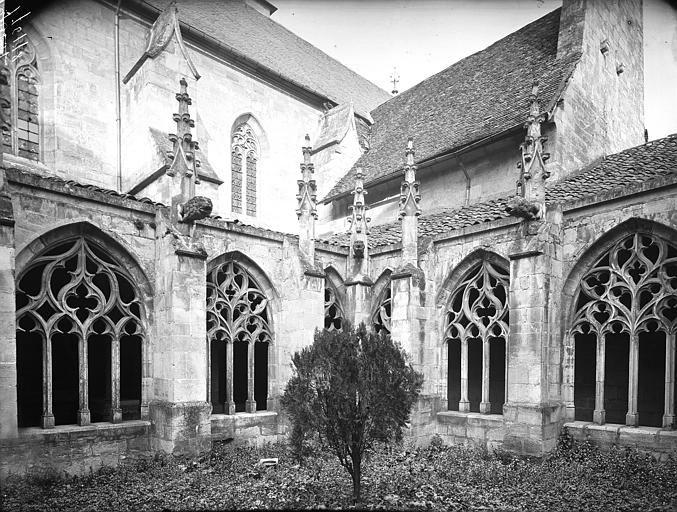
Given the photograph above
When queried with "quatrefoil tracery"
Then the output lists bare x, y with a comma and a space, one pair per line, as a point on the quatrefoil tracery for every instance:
333, 312
479, 305
75, 288
382, 316
631, 289
237, 309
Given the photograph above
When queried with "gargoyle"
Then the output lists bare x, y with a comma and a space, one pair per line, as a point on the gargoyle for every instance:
196, 208
520, 207
358, 249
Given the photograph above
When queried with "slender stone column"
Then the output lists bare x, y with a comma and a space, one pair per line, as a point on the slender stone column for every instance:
84, 416
485, 405
669, 414
250, 406
599, 414
230, 402
464, 403
116, 411
47, 420
632, 417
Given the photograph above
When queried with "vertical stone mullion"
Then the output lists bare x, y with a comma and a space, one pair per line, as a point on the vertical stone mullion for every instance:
209, 371
631, 418
116, 411
599, 414
669, 409
47, 414
230, 403
464, 404
83, 364
485, 405
569, 371
251, 403
146, 379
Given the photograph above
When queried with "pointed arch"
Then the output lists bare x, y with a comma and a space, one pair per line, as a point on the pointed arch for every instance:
619, 321
247, 141
82, 330
474, 301
240, 334
381, 302
334, 299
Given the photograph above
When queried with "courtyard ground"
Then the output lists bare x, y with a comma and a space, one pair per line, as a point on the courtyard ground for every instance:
577, 477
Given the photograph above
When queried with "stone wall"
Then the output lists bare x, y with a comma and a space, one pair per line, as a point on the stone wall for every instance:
75, 43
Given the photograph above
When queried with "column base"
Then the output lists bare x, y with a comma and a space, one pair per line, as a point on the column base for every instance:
145, 412
464, 406
84, 417
632, 419
668, 420
485, 407
47, 421
116, 415
230, 407
599, 416
250, 406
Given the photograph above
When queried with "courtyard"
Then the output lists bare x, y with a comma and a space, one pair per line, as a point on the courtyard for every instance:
576, 476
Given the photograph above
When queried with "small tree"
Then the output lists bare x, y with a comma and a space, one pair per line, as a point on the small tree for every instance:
352, 388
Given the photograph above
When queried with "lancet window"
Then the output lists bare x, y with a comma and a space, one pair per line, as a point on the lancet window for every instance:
245, 154
623, 333
79, 338
380, 319
333, 312
239, 333
476, 330
22, 113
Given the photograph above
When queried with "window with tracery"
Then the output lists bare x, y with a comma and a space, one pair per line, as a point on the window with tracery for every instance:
623, 332
380, 319
333, 312
23, 112
238, 331
476, 330
245, 154
79, 338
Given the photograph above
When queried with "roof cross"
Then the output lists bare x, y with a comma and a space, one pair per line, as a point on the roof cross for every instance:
394, 78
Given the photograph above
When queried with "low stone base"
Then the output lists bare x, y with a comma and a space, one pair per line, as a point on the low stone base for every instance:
182, 428
662, 443
73, 449
532, 429
255, 428
471, 428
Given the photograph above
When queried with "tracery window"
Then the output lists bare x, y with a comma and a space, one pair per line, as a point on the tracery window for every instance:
79, 338
245, 154
238, 332
623, 330
333, 312
380, 319
23, 112
476, 330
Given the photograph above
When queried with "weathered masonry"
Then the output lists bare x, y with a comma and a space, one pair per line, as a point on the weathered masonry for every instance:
151, 300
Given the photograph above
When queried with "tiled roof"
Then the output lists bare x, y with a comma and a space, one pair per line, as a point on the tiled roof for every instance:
247, 33
478, 97
636, 165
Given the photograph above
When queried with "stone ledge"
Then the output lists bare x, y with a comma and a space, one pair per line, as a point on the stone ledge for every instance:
63, 432
652, 439
246, 426
456, 417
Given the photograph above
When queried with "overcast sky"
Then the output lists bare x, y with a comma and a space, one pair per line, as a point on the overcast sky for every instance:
422, 37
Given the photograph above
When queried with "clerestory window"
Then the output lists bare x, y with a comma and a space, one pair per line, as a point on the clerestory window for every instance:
244, 155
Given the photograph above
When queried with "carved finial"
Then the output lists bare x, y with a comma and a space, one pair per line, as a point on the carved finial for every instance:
394, 78
409, 190
307, 196
182, 155
359, 222
530, 203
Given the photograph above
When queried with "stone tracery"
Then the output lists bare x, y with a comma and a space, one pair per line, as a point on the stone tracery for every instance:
245, 154
381, 318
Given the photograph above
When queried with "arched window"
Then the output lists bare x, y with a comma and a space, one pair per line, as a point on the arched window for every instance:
333, 312
79, 338
476, 330
380, 318
623, 331
238, 332
245, 154
24, 82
